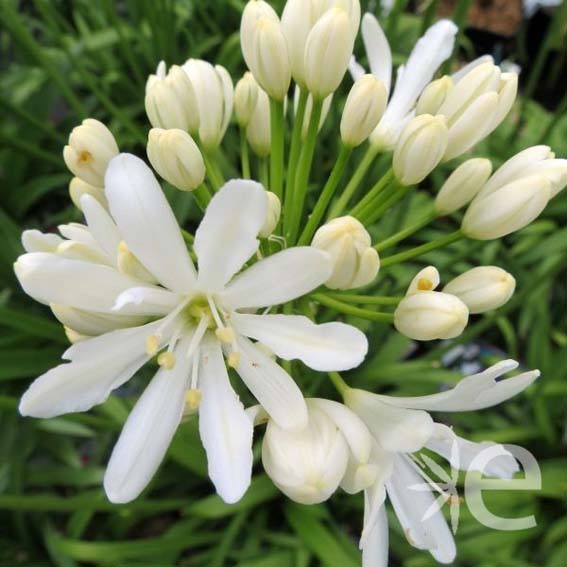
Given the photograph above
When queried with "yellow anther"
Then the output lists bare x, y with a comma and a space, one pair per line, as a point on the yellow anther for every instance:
423, 284
166, 360
74, 336
193, 398
225, 334
152, 345
123, 248
84, 157
234, 359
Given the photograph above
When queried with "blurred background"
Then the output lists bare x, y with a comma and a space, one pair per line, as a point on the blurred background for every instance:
65, 60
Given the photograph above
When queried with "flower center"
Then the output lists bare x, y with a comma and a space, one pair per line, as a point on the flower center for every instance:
85, 157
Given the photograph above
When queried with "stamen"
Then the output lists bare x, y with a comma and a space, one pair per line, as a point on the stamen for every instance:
233, 359
152, 344
193, 398
225, 334
423, 284
197, 336
214, 311
166, 360
195, 371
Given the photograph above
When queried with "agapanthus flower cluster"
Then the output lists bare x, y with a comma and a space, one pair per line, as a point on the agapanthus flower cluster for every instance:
132, 287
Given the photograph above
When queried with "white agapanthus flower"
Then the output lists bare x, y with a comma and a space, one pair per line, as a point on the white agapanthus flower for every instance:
401, 427
194, 317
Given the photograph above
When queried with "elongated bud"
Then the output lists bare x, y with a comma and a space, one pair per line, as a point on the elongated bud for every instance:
272, 216
364, 107
431, 315
462, 185
309, 108
170, 100
265, 52
78, 188
425, 280
327, 53
245, 98
483, 288
434, 95
258, 131
508, 209
253, 11
507, 92
420, 148
90, 148
355, 262
176, 157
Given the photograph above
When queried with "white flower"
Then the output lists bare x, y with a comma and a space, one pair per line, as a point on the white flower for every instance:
258, 130
195, 317
245, 97
400, 428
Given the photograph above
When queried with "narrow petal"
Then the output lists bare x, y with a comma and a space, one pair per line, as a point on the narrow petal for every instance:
37, 241
474, 392
375, 548
97, 367
470, 66
147, 223
355, 69
226, 430
377, 49
147, 301
330, 346
101, 225
272, 386
148, 431
279, 278
228, 234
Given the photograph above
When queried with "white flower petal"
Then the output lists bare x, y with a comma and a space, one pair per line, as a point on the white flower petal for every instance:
355, 69
377, 49
474, 392
279, 278
375, 548
37, 241
228, 234
330, 346
470, 66
146, 301
225, 428
147, 223
101, 225
148, 431
272, 386
97, 367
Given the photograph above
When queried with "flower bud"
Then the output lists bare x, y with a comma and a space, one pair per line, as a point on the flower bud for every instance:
266, 50
483, 288
253, 11
170, 100
507, 92
355, 262
434, 95
430, 315
420, 148
176, 157
327, 53
258, 131
462, 185
363, 109
425, 280
272, 216
78, 188
308, 108
245, 97
507, 209
91, 147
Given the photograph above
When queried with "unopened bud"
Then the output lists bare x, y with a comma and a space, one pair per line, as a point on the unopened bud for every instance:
462, 185
258, 131
364, 107
176, 157
355, 262
78, 188
425, 280
431, 315
420, 148
434, 95
90, 149
507, 92
272, 216
309, 108
245, 98
483, 288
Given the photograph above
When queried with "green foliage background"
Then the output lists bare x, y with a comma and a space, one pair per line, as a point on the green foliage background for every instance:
63, 61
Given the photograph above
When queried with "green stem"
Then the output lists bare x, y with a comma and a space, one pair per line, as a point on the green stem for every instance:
326, 196
365, 299
394, 17
420, 250
338, 382
370, 197
303, 170
377, 211
264, 177
351, 310
25, 147
188, 237
202, 196
244, 154
338, 208
402, 234
429, 15
213, 173
277, 146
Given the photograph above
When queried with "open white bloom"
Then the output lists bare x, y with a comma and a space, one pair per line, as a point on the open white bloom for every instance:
401, 427
195, 318
426, 57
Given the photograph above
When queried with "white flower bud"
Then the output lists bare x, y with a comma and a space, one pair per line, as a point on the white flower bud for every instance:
483, 288
214, 94
430, 315
258, 131
245, 97
91, 147
507, 92
425, 280
308, 109
420, 148
272, 216
355, 262
78, 188
462, 185
170, 100
176, 157
434, 95
327, 53
265, 50
507, 209
363, 109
